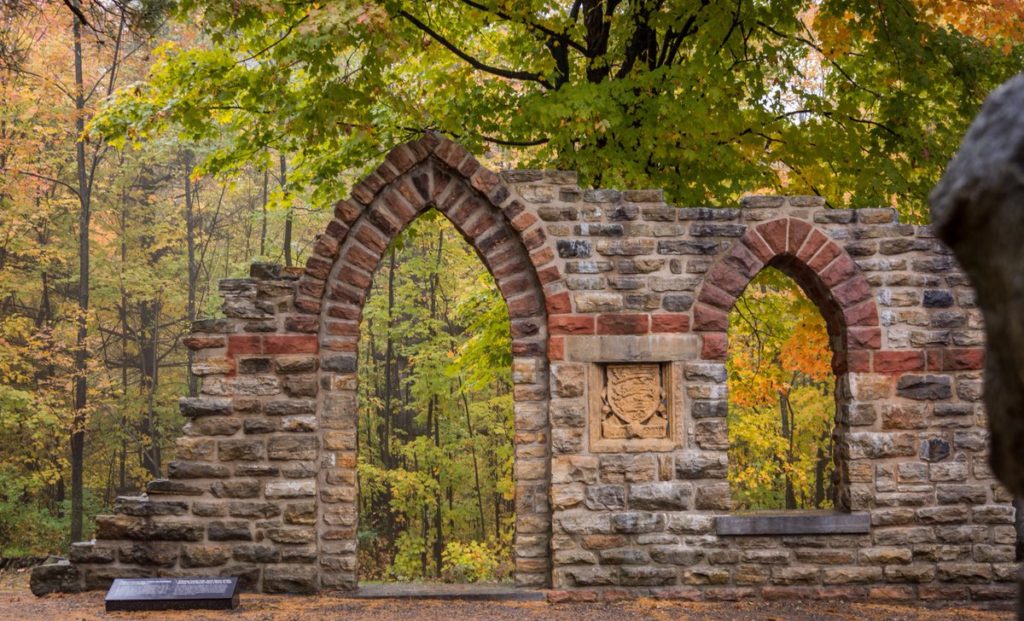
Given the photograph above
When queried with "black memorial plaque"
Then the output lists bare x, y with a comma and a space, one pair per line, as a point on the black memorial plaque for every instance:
172, 594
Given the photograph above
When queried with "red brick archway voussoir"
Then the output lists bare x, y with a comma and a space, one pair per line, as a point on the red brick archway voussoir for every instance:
819, 264
443, 169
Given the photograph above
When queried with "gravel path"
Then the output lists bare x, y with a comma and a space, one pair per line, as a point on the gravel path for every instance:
16, 603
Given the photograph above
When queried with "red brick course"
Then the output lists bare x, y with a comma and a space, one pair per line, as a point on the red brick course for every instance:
290, 344
623, 323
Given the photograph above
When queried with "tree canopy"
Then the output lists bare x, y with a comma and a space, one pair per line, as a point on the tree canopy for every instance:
861, 102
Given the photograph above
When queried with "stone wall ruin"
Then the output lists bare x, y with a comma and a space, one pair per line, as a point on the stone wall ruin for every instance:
619, 306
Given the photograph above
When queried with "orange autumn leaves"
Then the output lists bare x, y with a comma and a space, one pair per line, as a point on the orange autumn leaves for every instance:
997, 24
781, 404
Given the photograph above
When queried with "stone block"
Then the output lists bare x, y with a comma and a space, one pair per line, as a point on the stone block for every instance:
690, 464
241, 450
195, 449
875, 445
290, 489
291, 534
605, 497
690, 523
798, 574
213, 426
568, 380
942, 515
647, 576
165, 487
582, 522
676, 555
142, 506
925, 387
713, 372
229, 530
295, 579
126, 527
705, 575
196, 407
204, 555
993, 514
711, 435
292, 447
636, 522
948, 493
766, 556
236, 488
148, 554
90, 552
624, 556
964, 572
713, 497
255, 553
903, 536
582, 468
567, 495
61, 577
617, 468
667, 495
934, 449
568, 413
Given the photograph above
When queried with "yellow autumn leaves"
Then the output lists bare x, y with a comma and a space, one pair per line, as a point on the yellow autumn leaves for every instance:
781, 398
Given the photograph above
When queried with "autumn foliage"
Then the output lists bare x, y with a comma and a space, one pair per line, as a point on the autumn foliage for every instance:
781, 398
435, 425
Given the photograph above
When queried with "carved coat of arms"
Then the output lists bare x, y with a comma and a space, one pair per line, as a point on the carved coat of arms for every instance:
634, 404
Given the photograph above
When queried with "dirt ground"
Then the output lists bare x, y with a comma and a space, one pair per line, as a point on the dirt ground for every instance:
16, 603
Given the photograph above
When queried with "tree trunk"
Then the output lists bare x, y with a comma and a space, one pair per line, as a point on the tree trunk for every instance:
438, 523
819, 474
476, 465
149, 315
390, 380
122, 315
78, 425
193, 266
287, 217
438, 506
787, 432
263, 219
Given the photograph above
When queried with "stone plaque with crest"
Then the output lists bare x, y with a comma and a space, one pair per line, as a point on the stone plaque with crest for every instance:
631, 407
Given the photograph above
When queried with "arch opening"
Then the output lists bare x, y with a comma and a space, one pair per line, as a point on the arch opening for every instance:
439, 178
786, 348
436, 423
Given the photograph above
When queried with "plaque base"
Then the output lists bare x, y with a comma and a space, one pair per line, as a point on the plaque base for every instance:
127, 594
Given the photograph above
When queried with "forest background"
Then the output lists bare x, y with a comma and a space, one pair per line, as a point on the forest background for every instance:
149, 148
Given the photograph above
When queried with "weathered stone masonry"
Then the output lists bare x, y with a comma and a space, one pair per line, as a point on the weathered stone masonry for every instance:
619, 306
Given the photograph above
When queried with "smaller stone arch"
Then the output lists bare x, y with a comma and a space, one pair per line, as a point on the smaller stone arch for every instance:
817, 263
829, 277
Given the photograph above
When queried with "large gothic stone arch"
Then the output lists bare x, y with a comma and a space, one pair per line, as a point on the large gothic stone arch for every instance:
430, 173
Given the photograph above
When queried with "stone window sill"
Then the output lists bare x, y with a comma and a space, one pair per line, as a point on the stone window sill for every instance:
794, 523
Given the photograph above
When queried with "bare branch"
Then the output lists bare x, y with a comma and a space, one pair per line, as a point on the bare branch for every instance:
78, 14
50, 179
818, 49
276, 42
476, 64
561, 36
